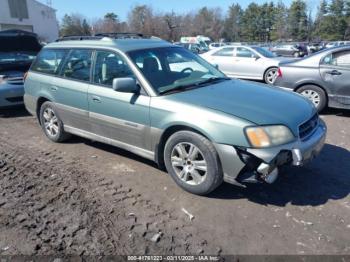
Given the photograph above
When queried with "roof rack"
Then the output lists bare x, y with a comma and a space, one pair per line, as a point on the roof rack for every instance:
102, 35
77, 38
122, 35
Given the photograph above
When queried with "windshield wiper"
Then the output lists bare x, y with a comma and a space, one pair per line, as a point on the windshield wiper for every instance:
213, 79
178, 88
193, 85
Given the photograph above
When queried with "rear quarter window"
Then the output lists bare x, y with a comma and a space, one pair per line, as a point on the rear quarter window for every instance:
48, 61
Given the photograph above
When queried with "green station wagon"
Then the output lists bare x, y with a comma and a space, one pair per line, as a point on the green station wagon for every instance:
164, 103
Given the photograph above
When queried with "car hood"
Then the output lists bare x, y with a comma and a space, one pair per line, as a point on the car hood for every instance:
258, 103
18, 43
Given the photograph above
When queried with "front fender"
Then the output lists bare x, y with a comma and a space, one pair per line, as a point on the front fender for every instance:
217, 126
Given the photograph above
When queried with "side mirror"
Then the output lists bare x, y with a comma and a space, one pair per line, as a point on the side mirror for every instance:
256, 57
216, 66
125, 85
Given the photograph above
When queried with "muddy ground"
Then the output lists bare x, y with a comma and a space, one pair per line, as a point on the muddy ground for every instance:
86, 198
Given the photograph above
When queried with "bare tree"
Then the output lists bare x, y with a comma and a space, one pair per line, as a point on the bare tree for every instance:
74, 24
109, 24
140, 19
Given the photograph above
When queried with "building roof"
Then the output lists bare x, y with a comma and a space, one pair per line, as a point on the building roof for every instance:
40, 3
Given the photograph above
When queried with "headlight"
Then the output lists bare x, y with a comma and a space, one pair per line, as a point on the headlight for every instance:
267, 136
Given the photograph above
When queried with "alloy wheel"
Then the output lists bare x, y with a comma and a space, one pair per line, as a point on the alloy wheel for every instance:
189, 163
313, 96
50, 122
271, 76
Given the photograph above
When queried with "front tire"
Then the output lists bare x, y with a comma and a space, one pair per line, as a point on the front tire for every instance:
51, 123
270, 75
193, 162
315, 94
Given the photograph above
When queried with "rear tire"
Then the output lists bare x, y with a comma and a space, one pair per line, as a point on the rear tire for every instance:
315, 94
193, 162
270, 75
52, 124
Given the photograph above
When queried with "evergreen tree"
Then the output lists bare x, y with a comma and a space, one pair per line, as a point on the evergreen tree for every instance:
232, 27
298, 20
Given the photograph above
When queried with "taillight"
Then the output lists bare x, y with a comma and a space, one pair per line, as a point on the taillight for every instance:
25, 76
279, 72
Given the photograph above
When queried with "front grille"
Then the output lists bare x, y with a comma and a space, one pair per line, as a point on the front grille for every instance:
16, 99
308, 127
15, 81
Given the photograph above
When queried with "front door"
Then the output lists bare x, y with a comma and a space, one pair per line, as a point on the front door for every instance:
247, 63
335, 72
122, 117
223, 58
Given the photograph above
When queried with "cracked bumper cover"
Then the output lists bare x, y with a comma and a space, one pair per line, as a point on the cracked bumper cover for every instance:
296, 153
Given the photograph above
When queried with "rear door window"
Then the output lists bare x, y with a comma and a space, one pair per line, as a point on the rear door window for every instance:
78, 65
49, 61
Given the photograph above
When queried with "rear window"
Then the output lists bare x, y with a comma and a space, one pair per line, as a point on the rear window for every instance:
49, 61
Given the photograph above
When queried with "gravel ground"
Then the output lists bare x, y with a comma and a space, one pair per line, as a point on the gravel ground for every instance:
86, 198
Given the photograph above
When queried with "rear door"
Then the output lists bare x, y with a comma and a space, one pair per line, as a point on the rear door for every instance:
335, 72
123, 117
43, 71
71, 87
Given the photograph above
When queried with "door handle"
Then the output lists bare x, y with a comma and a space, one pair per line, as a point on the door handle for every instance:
96, 99
54, 88
334, 73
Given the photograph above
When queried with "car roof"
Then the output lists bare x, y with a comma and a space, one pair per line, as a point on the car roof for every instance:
124, 45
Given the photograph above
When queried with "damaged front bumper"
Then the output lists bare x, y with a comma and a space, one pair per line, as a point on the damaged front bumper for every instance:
241, 165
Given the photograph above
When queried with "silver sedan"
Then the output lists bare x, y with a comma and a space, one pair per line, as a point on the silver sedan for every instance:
245, 62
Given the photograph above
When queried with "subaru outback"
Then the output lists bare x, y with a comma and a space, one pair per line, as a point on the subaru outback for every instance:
164, 103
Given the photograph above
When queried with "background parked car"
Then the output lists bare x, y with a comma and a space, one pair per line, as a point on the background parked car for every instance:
194, 48
324, 77
245, 62
216, 45
314, 47
288, 50
17, 51
337, 43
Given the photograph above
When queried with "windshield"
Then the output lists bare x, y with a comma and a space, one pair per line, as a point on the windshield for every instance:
8, 57
264, 52
168, 68
203, 44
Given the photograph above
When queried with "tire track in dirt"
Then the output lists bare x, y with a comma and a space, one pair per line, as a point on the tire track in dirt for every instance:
54, 205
